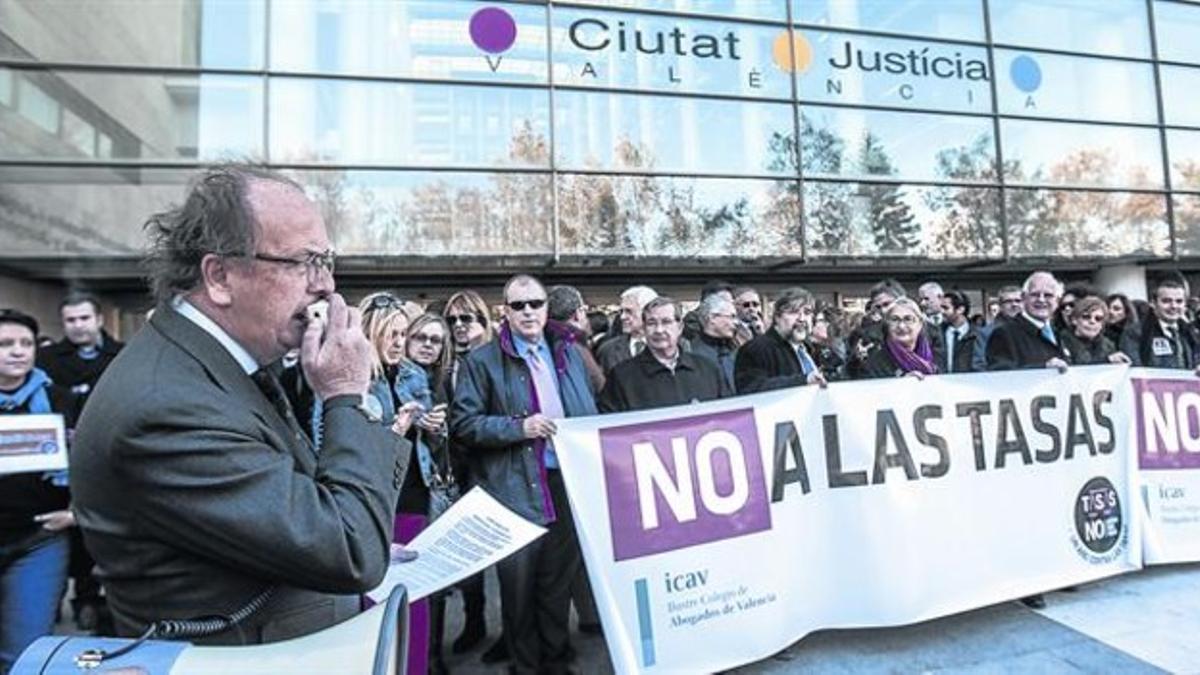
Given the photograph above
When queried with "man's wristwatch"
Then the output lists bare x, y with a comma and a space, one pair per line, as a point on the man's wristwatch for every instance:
368, 405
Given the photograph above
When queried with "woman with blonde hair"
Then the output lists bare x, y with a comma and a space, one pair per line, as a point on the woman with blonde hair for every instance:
385, 322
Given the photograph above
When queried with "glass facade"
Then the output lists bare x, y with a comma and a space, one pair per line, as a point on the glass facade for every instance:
752, 131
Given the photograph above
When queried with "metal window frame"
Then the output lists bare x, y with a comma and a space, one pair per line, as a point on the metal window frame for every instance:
1169, 191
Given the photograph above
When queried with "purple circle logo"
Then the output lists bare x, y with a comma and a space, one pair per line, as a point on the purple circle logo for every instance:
493, 30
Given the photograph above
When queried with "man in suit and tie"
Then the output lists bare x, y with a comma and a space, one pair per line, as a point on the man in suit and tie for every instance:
960, 335
1165, 339
509, 393
195, 487
1028, 340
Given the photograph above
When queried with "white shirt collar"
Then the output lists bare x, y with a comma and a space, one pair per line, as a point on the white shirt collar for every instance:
1032, 320
188, 311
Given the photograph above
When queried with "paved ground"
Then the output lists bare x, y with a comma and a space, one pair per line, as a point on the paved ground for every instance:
1147, 622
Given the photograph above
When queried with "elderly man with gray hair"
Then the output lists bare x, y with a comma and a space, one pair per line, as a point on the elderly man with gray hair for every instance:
716, 341
632, 339
782, 356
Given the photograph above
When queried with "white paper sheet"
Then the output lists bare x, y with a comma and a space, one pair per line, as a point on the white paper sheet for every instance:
476, 533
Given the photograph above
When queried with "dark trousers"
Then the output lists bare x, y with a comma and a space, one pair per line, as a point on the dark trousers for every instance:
87, 587
535, 592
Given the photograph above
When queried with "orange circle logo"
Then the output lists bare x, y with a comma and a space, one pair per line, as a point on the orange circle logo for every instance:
791, 52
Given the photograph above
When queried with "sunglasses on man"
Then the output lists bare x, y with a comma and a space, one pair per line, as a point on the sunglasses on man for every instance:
520, 305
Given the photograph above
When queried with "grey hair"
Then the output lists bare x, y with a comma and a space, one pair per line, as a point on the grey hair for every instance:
215, 218
643, 295
1058, 287
931, 285
563, 302
711, 305
795, 296
662, 301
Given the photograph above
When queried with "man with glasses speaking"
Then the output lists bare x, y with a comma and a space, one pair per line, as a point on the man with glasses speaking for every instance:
509, 393
197, 490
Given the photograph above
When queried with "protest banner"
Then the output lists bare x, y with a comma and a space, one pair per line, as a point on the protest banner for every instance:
1166, 438
719, 533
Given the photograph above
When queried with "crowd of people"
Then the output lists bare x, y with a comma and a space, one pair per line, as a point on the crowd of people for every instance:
467, 393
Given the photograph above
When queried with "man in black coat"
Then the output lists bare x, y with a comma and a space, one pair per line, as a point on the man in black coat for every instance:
80, 358
632, 339
782, 356
1028, 340
76, 362
663, 374
1164, 339
716, 340
960, 335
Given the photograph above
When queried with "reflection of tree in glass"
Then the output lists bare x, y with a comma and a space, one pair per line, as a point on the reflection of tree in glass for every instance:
656, 215
608, 213
519, 210
965, 218
1074, 222
889, 218
1187, 208
826, 204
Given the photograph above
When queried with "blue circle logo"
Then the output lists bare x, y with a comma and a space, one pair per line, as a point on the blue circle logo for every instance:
1026, 73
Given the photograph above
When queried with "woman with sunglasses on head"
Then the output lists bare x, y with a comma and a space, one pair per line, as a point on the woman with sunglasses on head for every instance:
33, 505
385, 322
906, 349
1086, 341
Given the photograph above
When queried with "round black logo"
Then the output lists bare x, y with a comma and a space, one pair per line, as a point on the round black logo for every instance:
1098, 515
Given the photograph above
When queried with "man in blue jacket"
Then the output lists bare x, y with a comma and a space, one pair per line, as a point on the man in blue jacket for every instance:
509, 394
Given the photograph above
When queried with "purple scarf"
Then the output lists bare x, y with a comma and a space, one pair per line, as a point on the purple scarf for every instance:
919, 359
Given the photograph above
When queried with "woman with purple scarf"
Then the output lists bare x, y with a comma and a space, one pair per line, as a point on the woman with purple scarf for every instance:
906, 350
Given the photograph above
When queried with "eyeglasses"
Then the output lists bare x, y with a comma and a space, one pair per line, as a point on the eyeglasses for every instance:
385, 301
520, 305
906, 320
750, 304
427, 339
313, 262
464, 319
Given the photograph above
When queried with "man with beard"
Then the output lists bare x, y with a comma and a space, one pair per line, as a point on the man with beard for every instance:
1165, 339
663, 374
782, 356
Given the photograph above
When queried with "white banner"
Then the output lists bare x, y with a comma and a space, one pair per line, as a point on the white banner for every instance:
717, 534
1166, 439
32, 443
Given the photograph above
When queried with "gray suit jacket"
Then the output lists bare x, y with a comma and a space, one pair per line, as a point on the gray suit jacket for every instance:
194, 495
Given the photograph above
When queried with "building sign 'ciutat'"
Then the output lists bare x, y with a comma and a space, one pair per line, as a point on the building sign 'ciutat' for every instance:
829, 66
